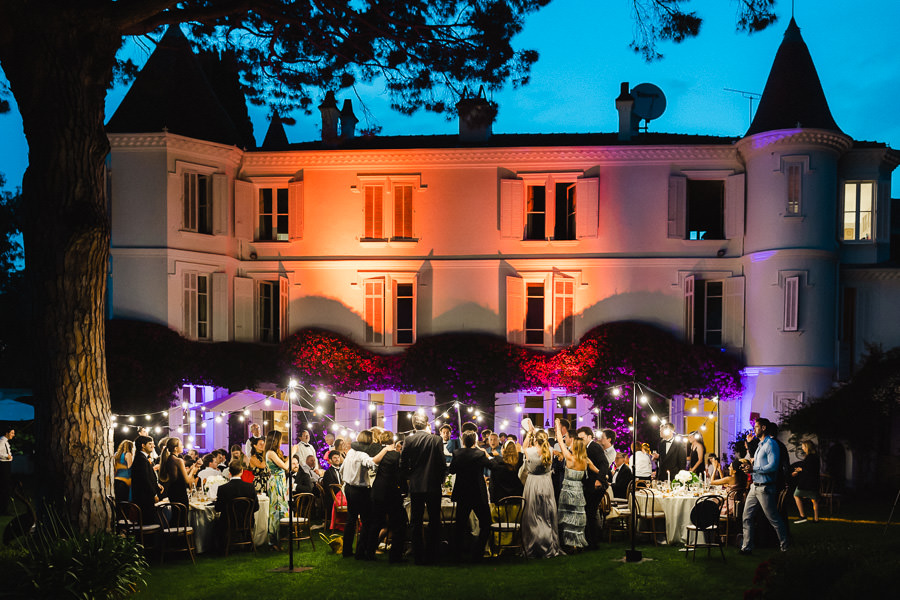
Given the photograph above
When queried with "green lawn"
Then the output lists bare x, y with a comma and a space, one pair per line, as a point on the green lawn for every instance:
836, 558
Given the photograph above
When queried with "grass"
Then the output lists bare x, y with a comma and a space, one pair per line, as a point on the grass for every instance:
831, 558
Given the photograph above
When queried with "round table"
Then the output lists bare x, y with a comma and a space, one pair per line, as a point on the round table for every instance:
677, 508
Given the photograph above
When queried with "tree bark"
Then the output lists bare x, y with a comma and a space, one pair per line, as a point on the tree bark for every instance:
59, 65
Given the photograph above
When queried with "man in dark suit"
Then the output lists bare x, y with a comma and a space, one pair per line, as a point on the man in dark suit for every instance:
235, 488
470, 493
144, 488
332, 476
671, 457
451, 445
621, 476
594, 484
422, 461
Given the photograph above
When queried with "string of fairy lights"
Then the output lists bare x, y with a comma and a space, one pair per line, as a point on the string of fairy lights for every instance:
440, 413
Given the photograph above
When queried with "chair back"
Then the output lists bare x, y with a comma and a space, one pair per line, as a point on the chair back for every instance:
605, 505
240, 514
303, 504
509, 510
172, 516
640, 483
334, 489
705, 513
644, 502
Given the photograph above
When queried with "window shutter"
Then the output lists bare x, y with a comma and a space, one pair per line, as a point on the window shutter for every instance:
734, 206
284, 300
676, 213
221, 204
243, 209
373, 311
243, 309
563, 310
515, 310
512, 215
791, 303
587, 207
189, 305
295, 210
175, 192
688, 291
220, 307
733, 319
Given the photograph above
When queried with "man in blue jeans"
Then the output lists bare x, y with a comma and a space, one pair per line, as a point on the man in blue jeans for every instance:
763, 492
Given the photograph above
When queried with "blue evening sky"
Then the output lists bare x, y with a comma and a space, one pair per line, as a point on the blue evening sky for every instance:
584, 52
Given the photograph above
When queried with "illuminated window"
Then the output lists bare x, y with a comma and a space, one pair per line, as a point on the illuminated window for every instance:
859, 211
791, 303
273, 214
794, 172
197, 191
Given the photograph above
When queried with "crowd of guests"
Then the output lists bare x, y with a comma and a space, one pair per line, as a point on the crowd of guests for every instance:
561, 475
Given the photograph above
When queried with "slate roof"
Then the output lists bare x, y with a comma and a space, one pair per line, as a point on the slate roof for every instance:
793, 94
172, 92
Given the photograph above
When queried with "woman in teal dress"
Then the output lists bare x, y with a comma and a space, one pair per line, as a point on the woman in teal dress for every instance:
278, 499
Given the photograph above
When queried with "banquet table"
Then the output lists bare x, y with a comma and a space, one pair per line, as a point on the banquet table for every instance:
447, 508
202, 516
677, 508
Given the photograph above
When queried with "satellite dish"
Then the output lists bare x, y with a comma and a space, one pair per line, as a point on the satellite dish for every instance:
649, 101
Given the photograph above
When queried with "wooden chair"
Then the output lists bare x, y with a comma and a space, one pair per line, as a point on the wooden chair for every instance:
647, 514
303, 504
117, 522
734, 511
173, 518
705, 520
133, 524
506, 525
239, 524
340, 512
618, 522
827, 496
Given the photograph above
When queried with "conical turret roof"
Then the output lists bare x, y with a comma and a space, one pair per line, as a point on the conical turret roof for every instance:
173, 92
793, 95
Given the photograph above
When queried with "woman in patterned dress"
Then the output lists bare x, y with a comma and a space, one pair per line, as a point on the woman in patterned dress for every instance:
278, 500
258, 465
572, 517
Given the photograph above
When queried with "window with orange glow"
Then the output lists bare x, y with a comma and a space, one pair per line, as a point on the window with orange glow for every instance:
403, 208
374, 213
374, 311
563, 311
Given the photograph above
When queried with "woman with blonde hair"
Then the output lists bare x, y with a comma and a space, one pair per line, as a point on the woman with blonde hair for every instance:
122, 483
278, 500
539, 522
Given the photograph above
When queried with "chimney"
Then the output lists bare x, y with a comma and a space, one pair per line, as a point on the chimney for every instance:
624, 104
330, 114
476, 117
348, 121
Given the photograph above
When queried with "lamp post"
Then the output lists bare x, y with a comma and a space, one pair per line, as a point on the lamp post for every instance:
632, 554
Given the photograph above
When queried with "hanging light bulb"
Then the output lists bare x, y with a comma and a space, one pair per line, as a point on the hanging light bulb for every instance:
322, 394
702, 428
596, 411
616, 392
456, 405
180, 429
518, 408
241, 418
504, 424
343, 433
265, 423
115, 419
147, 417
654, 418
662, 420
631, 428
246, 412
190, 438
469, 409
319, 410
437, 423
218, 419
478, 418
131, 419
372, 407
267, 402
189, 446
356, 423
335, 427
292, 395
124, 428
643, 399
203, 424
694, 410
165, 413
712, 415
158, 429
444, 416
292, 383
433, 409
421, 411
581, 419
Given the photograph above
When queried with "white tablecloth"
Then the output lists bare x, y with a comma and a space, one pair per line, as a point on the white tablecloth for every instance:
678, 513
203, 518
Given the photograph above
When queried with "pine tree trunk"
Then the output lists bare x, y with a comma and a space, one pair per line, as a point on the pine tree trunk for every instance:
59, 68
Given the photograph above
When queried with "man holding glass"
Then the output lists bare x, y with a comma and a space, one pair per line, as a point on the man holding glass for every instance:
763, 491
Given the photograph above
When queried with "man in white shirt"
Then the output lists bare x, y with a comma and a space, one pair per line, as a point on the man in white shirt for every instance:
304, 448
5, 467
310, 466
607, 438
255, 432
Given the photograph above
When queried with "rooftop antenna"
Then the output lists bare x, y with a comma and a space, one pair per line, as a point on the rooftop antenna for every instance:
751, 96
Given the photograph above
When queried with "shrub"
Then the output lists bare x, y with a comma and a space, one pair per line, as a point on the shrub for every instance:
58, 562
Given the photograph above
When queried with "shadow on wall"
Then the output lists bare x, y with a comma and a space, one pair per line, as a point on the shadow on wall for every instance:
657, 309
470, 318
326, 313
